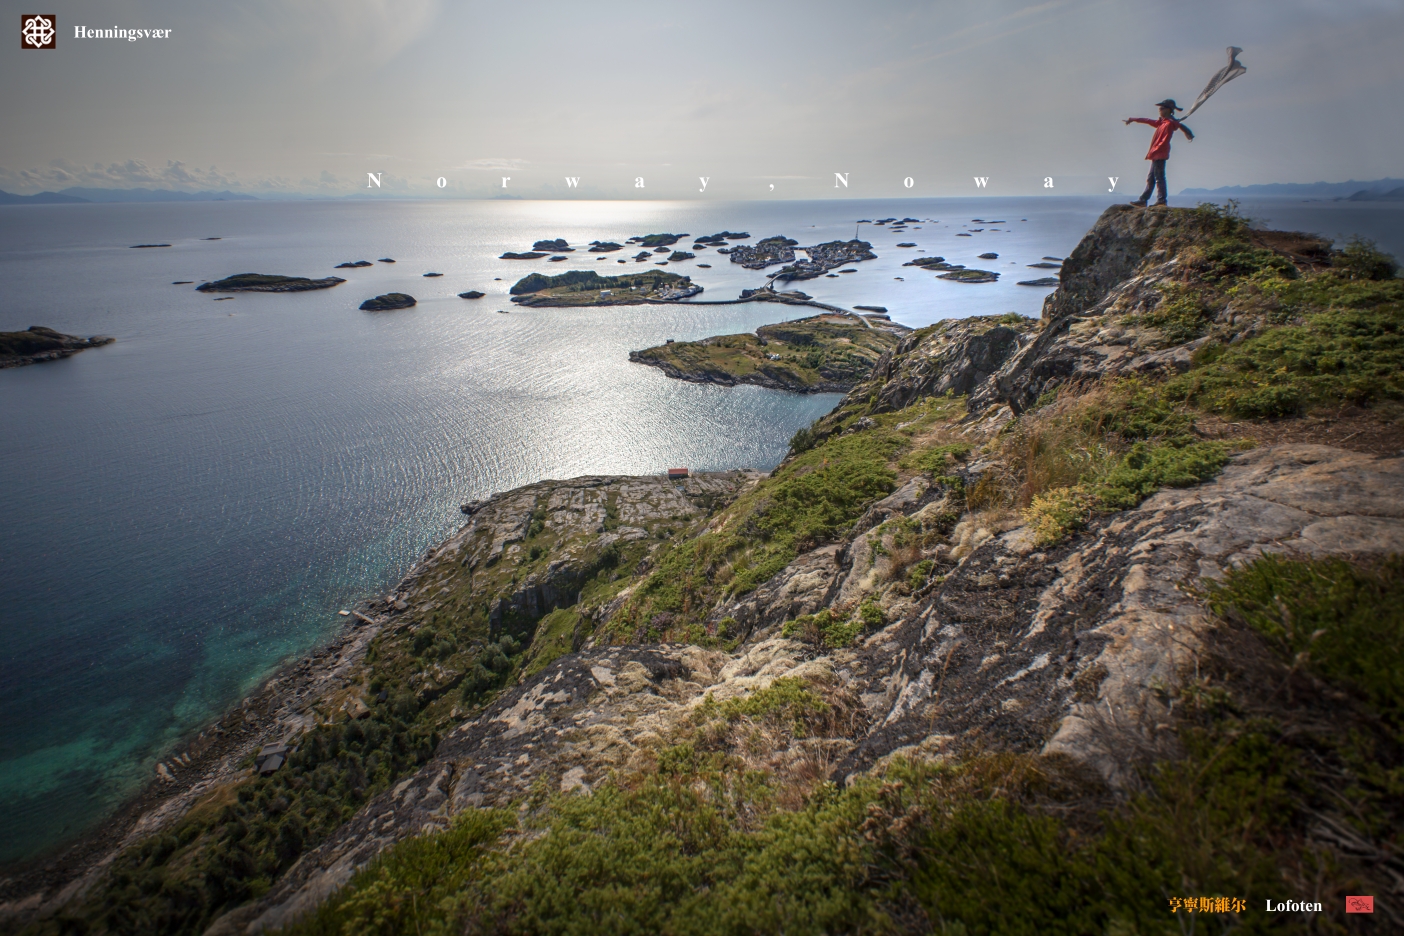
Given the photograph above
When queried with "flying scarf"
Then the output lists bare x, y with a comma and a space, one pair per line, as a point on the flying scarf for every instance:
1226, 74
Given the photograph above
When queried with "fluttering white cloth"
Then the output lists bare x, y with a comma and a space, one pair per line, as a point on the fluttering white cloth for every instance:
1226, 74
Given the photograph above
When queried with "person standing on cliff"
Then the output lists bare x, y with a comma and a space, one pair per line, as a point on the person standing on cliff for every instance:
1165, 128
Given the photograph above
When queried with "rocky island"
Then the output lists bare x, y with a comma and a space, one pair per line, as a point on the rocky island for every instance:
969, 276
588, 288
765, 252
39, 344
820, 259
388, 302
655, 240
821, 354
720, 238
1103, 607
266, 282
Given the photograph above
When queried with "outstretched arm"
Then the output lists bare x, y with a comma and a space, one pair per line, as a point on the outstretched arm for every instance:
1144, 120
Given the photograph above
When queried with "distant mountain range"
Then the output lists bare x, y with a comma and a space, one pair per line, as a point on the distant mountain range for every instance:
1391, 195
78, 195
1307, 189
43, 198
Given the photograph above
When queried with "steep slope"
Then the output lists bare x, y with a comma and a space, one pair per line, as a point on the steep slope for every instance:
1083, 606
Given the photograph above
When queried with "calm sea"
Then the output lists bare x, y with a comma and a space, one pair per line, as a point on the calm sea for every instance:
188, 508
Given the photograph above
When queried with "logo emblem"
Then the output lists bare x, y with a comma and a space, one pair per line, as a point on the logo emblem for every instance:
1360, 905
37, 31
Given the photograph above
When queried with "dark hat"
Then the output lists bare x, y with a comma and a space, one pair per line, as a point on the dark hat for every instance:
1170, 103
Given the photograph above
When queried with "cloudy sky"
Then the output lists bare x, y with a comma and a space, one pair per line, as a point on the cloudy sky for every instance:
275, 97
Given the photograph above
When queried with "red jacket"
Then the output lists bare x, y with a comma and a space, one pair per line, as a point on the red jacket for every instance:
1164, 130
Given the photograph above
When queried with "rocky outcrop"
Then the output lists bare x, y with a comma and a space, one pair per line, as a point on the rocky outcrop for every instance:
40, 344
1065, 649
388, 302
1105, 258
955, 356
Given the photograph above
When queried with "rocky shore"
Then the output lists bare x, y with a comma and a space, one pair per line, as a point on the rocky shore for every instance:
39, 344
1026, 584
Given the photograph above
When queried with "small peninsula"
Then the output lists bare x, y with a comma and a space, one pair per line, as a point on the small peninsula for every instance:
267, 282
588, 288
40, 344
820, 354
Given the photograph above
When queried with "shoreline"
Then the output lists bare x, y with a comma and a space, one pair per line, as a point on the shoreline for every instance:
205, 761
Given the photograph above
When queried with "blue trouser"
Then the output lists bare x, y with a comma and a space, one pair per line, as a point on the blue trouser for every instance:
1156, 178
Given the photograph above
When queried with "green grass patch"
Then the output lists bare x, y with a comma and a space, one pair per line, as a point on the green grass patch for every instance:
811, 499
937, 459
1123, 483
1344, 355
1182, 315
552, 640
406, 889
787, 701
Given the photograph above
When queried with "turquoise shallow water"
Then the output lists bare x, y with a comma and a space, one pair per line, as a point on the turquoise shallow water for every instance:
189, 507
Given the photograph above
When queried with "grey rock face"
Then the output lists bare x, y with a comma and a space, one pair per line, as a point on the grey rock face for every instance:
956, 356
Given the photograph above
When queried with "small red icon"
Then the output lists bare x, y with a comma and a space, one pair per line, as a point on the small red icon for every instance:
1360, 905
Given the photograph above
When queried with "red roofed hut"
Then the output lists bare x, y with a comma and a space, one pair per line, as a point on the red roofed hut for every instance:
677, 474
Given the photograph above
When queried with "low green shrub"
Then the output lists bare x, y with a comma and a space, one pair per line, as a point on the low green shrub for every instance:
1343, 621
406, 889
1345, 345
1122, 483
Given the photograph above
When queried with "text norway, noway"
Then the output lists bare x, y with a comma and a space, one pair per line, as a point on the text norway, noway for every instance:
131, 35
1293, 906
